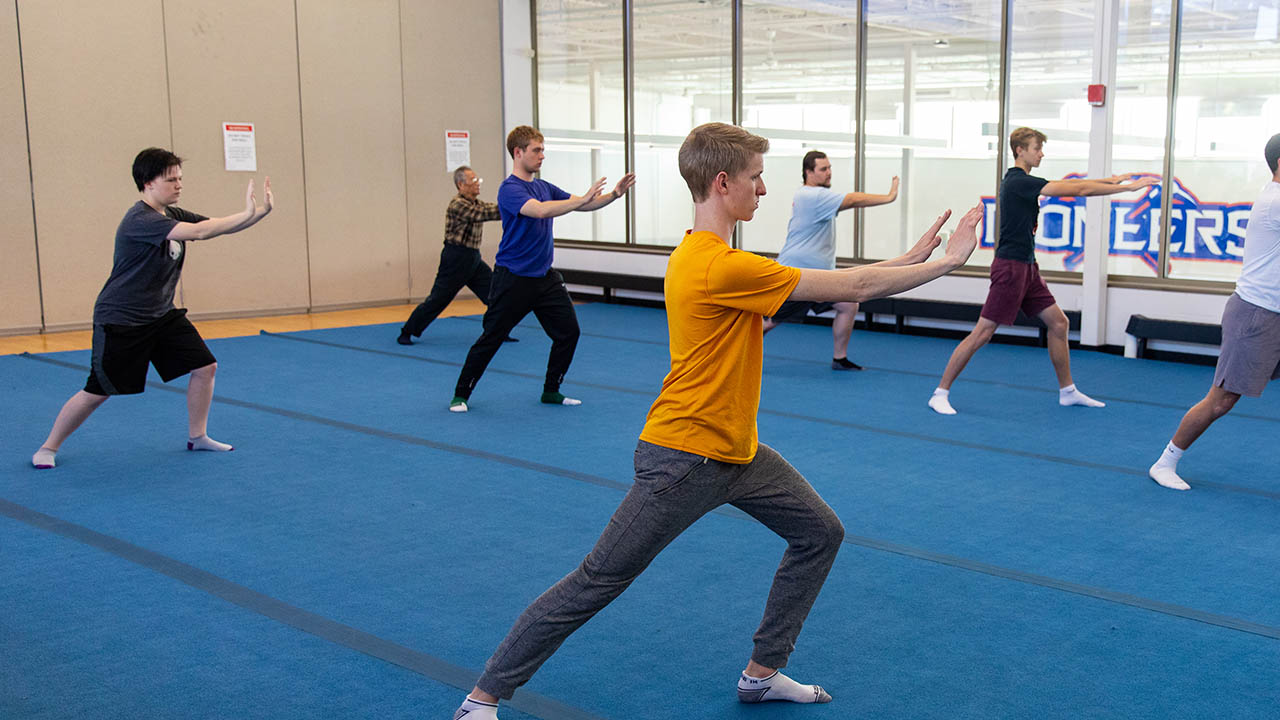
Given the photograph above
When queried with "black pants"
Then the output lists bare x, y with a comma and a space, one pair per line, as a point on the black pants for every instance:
511, 297
459, 266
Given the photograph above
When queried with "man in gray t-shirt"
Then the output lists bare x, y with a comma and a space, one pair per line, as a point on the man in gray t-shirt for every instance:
135, 323
1250, 354
811, 243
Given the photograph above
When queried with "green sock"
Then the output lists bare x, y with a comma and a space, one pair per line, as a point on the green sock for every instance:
557, 398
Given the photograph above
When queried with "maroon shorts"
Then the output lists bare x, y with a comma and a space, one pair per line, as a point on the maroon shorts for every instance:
1015, 286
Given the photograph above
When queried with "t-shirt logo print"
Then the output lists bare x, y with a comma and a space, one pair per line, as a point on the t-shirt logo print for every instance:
175, 249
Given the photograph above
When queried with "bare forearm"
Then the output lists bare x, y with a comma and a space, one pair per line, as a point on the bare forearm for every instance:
868, 281
213, 227
599, 202
862, 200
553, 208
257, 215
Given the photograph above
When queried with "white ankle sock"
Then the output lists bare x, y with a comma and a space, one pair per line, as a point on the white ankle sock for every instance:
940, 402
204, 442
476, 710
1069, 395
1165, 470
778, 687
44, 458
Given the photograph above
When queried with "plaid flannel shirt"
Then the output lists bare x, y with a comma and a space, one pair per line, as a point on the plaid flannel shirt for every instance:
464, 220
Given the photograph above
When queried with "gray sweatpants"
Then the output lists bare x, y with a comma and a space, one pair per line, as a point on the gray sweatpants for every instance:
672, 490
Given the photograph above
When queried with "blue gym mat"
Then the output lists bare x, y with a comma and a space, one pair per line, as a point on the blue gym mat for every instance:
363, 550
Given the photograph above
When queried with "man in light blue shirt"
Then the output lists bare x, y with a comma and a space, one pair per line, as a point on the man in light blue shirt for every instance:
811, 243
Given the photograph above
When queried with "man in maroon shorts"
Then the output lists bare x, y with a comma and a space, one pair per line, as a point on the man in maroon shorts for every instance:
1015, 276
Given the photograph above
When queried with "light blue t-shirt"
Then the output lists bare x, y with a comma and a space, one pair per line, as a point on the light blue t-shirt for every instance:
811, 234
1259, 281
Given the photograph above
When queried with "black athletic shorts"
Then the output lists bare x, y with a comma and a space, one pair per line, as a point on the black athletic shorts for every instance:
796, 310
121, 354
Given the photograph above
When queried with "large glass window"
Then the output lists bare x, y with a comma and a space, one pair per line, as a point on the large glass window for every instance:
580, 108
1050, 66
1141, 103
933, 106
799, 86
1228, 106
683, 78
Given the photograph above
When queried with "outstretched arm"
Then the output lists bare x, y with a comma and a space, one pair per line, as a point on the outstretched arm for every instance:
875, 281
555, 208
857, 199
213, 227
919, 252
623, 185
1089, 188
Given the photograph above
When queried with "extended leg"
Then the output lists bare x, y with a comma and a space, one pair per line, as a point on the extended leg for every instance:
979, 336
74, 412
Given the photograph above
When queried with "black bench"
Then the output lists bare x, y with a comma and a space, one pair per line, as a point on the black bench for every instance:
608, 282
1142, 328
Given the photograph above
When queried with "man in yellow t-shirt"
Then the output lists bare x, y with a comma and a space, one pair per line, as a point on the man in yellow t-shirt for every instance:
699, 450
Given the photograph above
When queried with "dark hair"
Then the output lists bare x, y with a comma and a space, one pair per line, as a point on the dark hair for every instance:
520, 137
810, 160
1273, 152
151, 164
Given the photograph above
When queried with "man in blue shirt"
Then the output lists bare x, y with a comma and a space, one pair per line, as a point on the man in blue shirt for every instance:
523, 280
811, 243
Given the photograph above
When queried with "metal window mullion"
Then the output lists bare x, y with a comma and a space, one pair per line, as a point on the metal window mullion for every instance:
1006, 71
736, 111
629, 111
1166, 183
860, 130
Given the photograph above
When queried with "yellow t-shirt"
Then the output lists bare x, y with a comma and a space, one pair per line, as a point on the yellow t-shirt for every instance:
717, 298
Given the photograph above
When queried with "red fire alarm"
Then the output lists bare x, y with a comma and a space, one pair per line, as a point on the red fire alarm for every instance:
1098, 95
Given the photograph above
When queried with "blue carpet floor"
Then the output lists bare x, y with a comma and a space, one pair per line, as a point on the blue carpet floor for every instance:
363, 550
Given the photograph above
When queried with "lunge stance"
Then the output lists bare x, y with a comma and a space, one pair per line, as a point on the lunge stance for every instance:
460, 262
134, 320
523, 280
1250, 355
699, 448
811, 243
1015, 275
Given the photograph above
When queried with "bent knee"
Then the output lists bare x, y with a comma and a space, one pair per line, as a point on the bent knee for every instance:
207, 371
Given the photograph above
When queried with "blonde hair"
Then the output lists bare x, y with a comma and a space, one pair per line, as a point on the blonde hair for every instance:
520, 137
1022, 138
714, 148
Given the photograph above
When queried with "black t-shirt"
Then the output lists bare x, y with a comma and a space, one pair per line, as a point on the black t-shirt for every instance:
1019, 205
146, 268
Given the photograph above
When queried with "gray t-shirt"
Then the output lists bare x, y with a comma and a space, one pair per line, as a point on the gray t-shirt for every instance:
1259, 281
146, 268
811, 233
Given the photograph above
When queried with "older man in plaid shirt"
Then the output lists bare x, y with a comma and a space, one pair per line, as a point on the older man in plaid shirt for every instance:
460, 261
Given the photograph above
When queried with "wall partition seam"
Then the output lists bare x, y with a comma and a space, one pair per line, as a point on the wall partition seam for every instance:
168, 92
302, 140
629, 112
404, 140
860, 129
31, 176
1167, 183
1006, 61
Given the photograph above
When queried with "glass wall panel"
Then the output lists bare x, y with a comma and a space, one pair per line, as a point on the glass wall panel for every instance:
580, 108
799, 83
1141, 108
933, 106
1228, 106
683, 78
1050, 68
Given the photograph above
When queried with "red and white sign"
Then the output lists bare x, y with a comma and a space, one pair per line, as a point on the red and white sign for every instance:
457, 149
239, 146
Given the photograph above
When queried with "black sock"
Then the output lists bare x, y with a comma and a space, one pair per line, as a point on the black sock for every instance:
844, 364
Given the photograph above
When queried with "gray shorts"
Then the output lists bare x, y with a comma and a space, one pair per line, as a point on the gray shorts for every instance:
1250, 356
